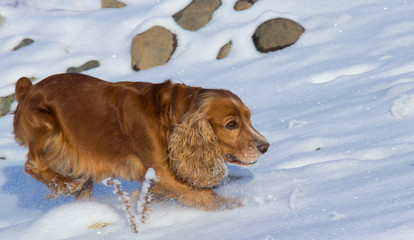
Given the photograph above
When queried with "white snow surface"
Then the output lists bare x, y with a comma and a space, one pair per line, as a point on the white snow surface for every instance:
337, 108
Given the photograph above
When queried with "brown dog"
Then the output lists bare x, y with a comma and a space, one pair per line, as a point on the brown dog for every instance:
80, 129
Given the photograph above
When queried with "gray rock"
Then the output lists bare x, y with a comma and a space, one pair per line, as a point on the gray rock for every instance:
197, 14
276, 34
2, 20
86, 66
224, 51
5, 103
152, 48
112, 4
243, 4
23, 43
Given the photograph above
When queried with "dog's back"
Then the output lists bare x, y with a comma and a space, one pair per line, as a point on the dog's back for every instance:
41, 107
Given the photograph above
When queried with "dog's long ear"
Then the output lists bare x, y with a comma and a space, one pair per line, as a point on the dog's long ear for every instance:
194, 153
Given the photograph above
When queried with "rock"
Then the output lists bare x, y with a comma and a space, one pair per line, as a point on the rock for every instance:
86, 66
243, 4
224, 51
23, 43
5, 103
112, 4
197, 14
276, 34
152, 48
2, 20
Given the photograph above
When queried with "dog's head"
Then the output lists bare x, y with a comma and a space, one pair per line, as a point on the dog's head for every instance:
217, 129
229, 118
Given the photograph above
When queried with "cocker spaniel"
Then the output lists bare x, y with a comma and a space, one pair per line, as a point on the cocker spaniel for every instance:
79, 129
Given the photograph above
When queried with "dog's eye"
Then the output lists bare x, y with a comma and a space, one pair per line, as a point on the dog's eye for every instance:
231, 125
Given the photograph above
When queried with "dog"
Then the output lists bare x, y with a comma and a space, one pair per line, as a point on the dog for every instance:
79, 129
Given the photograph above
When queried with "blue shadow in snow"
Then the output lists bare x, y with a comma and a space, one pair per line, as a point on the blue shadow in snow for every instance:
31, 193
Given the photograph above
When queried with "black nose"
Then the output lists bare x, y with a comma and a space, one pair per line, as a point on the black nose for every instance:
263, 147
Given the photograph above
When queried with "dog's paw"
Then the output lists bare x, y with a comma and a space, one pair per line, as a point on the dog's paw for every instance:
224, 203
52, 194
64, 186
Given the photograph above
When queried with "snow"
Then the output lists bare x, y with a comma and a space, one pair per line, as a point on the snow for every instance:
337, 108
69, 221
403, 107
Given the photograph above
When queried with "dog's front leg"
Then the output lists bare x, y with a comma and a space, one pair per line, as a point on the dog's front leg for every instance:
204, 198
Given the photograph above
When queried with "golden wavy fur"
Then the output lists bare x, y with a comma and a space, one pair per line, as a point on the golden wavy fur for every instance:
194, 152
79, 129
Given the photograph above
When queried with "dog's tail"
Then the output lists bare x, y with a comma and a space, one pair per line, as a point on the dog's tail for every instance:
23, 86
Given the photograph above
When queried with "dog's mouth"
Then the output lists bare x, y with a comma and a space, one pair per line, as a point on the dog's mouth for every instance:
233, 159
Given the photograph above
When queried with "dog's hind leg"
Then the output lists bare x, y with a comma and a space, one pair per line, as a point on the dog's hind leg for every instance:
57, 183
86, 191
